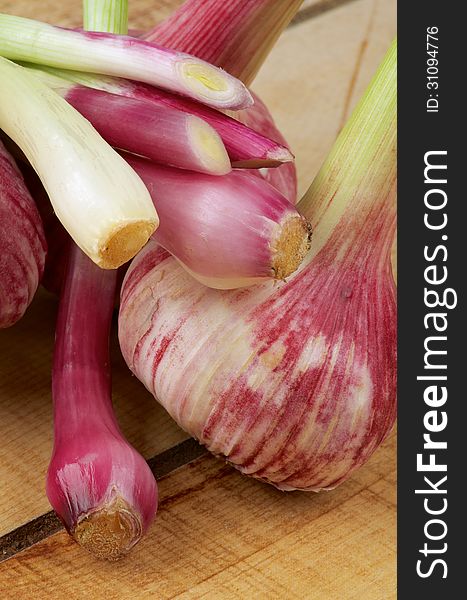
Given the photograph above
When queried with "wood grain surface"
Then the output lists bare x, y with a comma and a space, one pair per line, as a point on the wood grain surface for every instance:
218, 534
221, 535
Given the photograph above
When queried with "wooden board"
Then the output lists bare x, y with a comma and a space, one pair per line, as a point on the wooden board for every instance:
221, 535
218, 534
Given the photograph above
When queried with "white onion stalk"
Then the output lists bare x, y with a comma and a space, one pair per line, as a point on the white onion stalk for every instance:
292, 383
22, 243
100, 201
29, 40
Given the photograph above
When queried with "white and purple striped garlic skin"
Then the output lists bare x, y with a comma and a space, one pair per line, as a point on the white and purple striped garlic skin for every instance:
22, 243
292, 383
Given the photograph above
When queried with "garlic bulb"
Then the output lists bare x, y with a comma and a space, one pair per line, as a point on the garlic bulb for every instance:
292, 383
228, 232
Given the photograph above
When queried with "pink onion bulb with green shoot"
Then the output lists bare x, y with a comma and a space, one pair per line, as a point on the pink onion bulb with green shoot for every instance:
249, 31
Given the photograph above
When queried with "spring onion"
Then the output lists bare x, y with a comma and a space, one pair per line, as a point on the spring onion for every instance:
246, 147
99, 485
101, 488
33, 41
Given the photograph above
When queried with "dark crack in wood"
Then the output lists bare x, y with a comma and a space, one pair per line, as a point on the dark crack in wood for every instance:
42, 527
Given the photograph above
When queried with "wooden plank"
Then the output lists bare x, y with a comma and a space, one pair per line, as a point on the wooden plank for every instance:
141, 13
318, 562
373, 45
221, 535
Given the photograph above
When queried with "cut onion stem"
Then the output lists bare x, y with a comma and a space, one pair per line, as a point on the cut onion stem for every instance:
168, 136
22, 243
147, 128
99, 485
101, 202
229, 231
246, 147
240, 44
28, 40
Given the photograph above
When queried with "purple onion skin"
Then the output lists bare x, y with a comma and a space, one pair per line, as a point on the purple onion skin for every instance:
225, 230
22, 243
158, 131
247, 145
250, 141
99, 485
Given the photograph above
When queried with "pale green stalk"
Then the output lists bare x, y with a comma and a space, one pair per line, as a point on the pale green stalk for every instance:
99, 199
360, 172
106, 15
109, 16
